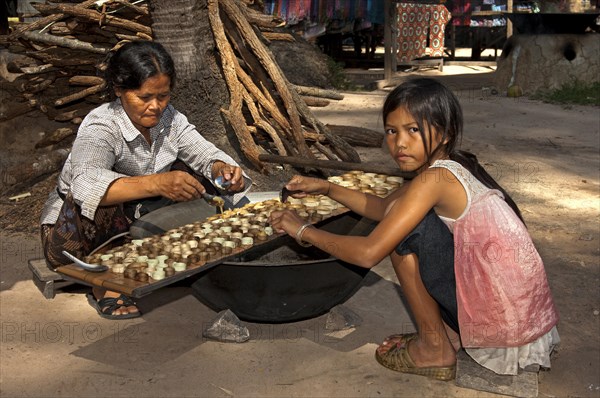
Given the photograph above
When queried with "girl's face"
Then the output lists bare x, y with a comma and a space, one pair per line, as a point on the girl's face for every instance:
405, 143
145, 105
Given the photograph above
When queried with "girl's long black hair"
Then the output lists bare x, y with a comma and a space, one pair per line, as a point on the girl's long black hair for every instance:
437, 110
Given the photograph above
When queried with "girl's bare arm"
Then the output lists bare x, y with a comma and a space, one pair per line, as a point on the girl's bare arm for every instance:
409, 207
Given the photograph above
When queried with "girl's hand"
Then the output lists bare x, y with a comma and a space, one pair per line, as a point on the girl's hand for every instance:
286, 221
229, 173
307, 185
178, 186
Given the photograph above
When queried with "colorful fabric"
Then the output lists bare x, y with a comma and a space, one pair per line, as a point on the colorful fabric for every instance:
421, 30
79, 235
322, 11
503, 295
461, 13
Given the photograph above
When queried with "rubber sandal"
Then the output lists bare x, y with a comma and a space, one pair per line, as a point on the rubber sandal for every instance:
107, 305
397, 358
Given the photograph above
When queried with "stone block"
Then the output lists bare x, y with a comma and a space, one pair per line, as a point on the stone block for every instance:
469, 374
227, 327
548, 61
342, 318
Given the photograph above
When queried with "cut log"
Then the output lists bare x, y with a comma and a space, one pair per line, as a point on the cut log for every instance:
138, 9
314, 101
312, 136
273, 36
36, 85
144, 36
64, 42
257, 18
43, 22
85, 80
234, 112
33, 70
259, 122
325, 151
60, 57
79, 95
336, 165
267, 103
341, 148
121, 36
93, 16
358, 136
318, 92
60, 29
79, 112
247, 60
55, 137
14, 110
268, 62
23, 170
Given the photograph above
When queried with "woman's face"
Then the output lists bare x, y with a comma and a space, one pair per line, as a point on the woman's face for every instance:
404, 141
145, 105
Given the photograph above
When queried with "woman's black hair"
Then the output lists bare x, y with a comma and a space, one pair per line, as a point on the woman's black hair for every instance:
437, 110
132, 64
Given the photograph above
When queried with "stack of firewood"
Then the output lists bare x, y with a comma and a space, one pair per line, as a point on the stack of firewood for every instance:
64, 59
62, 53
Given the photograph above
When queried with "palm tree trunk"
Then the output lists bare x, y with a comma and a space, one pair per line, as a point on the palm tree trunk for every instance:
182, 26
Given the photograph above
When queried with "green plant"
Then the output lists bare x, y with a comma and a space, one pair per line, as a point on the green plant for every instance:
573, 93
338, 78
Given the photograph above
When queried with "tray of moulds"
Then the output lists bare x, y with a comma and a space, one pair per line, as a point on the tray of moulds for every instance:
139, 267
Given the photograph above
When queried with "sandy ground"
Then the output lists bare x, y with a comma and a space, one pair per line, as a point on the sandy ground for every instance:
546, 156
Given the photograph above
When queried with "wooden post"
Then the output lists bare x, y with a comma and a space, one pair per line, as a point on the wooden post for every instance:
509, 26
389, 40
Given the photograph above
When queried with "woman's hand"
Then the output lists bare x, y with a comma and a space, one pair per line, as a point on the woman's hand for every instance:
178, 186
307, 185
286, 221
229, 173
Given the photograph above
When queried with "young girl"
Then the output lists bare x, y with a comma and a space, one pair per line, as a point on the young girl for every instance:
460, 250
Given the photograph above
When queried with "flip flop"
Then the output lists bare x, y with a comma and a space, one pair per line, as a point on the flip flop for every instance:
107, 305
397, 358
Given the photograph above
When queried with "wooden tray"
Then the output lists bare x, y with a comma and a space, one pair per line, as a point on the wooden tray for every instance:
130, 287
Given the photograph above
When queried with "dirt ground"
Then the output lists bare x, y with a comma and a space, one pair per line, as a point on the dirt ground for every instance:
546, 156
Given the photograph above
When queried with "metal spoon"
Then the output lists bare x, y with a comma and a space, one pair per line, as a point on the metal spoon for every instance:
221, 183
213, 199
84, 265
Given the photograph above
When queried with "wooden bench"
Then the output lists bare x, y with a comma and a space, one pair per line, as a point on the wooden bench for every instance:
45, 278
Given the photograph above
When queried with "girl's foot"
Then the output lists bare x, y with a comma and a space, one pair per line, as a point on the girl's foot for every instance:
427, 354
395, 340
422, 353
400, 358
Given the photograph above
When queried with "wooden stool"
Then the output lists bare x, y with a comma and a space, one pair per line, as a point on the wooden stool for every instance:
45, 278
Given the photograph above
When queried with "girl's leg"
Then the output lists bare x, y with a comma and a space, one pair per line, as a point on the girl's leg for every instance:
432, 347
424, 264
